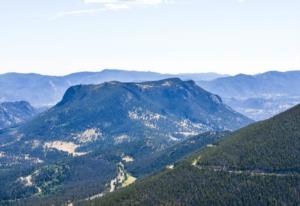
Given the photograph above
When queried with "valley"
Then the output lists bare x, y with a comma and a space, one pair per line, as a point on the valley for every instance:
73, 152
149, 103
76, 144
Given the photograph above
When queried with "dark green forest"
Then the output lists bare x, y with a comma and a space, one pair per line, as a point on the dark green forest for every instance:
257, 165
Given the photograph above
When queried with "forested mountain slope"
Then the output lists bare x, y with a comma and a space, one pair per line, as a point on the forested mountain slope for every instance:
257, 165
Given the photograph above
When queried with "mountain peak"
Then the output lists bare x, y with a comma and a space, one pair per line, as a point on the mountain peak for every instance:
116, 119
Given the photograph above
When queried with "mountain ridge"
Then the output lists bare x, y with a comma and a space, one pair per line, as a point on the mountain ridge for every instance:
13, 113
19, 86
258, 96
112, 128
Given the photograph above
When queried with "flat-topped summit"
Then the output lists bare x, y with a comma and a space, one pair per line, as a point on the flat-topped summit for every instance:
156, 112
103, 123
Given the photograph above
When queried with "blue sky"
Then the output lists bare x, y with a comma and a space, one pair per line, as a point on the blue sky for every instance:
174, 36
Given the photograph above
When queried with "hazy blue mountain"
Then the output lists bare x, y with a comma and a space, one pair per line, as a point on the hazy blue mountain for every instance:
170, 109
36, 89
98, 132
262, 108
277, 90
260, 85
43, 90
200, 76
13, 113
256, 165
157, 112
259, 96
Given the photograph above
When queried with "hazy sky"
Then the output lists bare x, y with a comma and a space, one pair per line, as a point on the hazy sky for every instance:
225, 36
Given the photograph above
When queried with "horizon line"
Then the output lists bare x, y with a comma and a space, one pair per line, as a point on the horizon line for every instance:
144, 71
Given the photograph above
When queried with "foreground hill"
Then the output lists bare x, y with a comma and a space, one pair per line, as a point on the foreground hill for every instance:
13, 113
257, 165
258, 96
107, 132
43, 90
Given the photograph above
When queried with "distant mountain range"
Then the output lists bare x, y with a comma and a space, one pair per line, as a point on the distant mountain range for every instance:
43, 90
256, 96
261, 85
259, 96
257, 165
107, 132
13, 113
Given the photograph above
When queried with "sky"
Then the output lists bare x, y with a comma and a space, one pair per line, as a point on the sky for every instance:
58, 37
